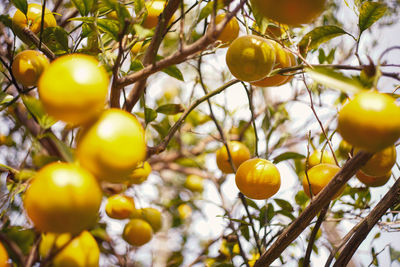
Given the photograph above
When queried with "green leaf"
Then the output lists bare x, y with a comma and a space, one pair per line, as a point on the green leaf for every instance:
301, 198
285, 205
109, 26
319, 35
6, 20
251, 203
83, 6
162, 127
56, 38
139, 6
174, 72
65, 150
288, 155
208, 9
394, 254
370, 12
334, 79
141, 32
24, 238
244, 229
286, 213
21, 5
149, 115
5, 98
170, 109
136, 65
36, 109
25, 174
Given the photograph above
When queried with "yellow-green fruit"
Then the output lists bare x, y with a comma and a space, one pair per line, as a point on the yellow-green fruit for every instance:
113, 146
381, 162
82, 251
74, 88
139, 174
120, 207
318, 157
194, 183
250, 58
28, 65
150, 215
370, 121
137, 232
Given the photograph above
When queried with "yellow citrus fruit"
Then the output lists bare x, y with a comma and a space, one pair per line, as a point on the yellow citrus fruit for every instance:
318, 177
373, 181
120, 207
231, 30
138, 48
370, 121
381, 162
3, 256
318, 157
258, 179
74, 88
112, 146
283, 60
194, 183
82, 251
63, 197
290, 12
184, 211
154, 10
150, 215
139, 174
250, 58
137, 232
33, 18
239, 153
28, 65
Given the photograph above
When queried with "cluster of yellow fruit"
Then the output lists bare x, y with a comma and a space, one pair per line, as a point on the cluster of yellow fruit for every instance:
255, 178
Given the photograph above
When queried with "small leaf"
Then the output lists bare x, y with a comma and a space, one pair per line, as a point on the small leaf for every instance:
208, 9
172, 71
21, 5
149, 115
319, 35
6, 20
24, 238
335, 80
288, 155
36, 109
251, 203
109, 26
170, 109
286, 213
139, 6
285, 205
162, 127
83, 6
244, 229
270, 211
301, 198
25, 174
370, 12
394, 254
56, 38
136, 65
142, 32
66, 151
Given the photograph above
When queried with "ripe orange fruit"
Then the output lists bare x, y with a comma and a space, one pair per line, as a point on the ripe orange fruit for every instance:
154, 10
3, 256
139, 174
63, 197
239, 153
381, 162
150, 215
231, 30
373, 181
319, 176
290, 12
258, 179
120, 207
28, 65
283, 60
137, 232
33, 18
112, 146
250, 58
315, 158
370, 121
194, 183
74, 88
82, 251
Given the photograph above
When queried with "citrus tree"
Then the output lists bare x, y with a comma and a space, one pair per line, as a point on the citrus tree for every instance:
199, 133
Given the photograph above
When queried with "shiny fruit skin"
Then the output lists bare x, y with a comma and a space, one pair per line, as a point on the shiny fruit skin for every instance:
239, 153
137, 232
120, 207
154, 10
139, 174
282, 60
381, 162
150, 215
315, 158
82, 251
370, 121
250, 58
63, 197
373, 181
27, 67
231, 30
74, 88
3, 256
290, 12
33, 18
319, 176
112, 146
258, 178
194, 183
